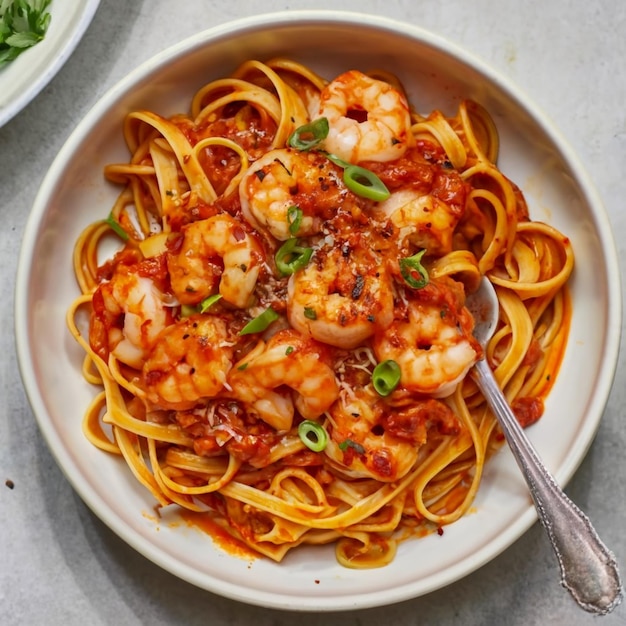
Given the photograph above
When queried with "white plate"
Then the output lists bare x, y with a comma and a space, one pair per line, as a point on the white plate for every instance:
23, 78
436, 74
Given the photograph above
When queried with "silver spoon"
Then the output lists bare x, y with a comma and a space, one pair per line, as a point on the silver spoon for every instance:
588, 569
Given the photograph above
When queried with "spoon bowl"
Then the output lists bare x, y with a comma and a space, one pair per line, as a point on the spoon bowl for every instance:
588, 569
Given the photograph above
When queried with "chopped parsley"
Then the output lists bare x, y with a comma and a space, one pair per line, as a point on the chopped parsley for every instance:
23, 23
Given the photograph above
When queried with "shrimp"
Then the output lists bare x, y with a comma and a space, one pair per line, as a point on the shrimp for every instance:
343, 296
195, 263
129, 313
431, 339
426, 205
359, 445
368, 119
189, 362
285, 178
422, 221
291, 360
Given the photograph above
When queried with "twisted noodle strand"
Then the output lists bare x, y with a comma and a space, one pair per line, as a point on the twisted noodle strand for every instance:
163, 361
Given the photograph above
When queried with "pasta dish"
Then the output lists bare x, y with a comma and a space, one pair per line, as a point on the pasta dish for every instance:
280, 340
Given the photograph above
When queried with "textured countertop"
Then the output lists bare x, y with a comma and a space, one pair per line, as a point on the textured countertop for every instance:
59, 564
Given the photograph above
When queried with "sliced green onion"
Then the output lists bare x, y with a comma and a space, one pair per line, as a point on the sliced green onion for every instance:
413, 265
310, 313
386, 377
186, 310
349, 443
336, 160
291, 257
116, 227
294, 218
260, 322
365, 183
207, 303
313, 435
309, 135
361, 181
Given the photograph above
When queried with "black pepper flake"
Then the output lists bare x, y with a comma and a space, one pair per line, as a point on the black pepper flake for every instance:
357, 290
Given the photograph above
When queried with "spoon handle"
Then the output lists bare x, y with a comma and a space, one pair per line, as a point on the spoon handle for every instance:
588, 569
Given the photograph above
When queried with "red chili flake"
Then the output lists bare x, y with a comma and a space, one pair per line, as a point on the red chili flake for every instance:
440, 531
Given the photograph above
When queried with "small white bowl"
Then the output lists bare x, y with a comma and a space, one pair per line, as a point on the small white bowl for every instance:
24, 77
437, 74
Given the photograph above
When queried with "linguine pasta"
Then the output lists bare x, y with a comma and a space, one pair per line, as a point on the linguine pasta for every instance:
280, 341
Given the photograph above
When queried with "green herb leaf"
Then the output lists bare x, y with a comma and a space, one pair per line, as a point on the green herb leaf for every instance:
23, 23
22, 40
